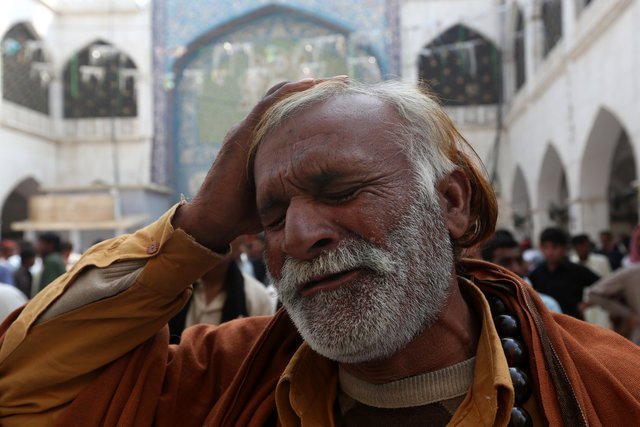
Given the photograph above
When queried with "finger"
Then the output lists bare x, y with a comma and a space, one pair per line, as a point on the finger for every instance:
275, 87
276, 93
341, 77
285, 88
282, 89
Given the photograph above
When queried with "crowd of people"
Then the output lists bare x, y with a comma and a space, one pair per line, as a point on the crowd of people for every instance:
572, 275
236, 288
27, 268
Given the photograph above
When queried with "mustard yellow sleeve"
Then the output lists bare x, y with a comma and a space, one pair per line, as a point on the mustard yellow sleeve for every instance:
44, 365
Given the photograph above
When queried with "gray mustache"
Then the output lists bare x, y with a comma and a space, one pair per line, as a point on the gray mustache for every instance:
348, 255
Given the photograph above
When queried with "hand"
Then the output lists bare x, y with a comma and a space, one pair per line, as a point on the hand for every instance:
225, 206
585, 305
633, 320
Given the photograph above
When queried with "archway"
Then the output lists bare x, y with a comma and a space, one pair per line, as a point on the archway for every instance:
16, 207
226, 71
26, 69
622, 190
99, 81
553, 192
521, 205
607, 177
462, 67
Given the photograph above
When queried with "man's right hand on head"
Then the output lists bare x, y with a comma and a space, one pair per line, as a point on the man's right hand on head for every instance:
224, 207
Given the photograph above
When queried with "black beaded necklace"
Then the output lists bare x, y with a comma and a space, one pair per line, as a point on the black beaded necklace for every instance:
517, 359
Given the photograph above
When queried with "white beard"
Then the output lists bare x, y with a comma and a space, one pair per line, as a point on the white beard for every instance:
404, 289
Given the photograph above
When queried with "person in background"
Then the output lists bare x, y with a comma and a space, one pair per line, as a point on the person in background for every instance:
9, 255
619, 294
5, 275
10, 299
531, 256
557, 276
584, 255
223, 293
503, 250
69, 257
609, 249
633, 257
22, 276
48, 248
256, 257
599, 264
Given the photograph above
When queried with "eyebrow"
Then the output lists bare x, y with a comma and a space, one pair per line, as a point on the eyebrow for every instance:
317, 183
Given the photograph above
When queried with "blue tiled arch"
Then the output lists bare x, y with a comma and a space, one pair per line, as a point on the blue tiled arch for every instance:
181, 29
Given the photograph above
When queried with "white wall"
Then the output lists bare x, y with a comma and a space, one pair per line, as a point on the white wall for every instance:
595, 66
59, 152
88, 151
19, 162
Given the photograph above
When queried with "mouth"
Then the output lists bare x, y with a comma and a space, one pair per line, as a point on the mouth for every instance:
328, 282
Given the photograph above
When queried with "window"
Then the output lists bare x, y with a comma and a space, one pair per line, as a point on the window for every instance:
26, 71
461, 67
99, 81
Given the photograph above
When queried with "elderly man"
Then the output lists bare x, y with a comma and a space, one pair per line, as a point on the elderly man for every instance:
367, 197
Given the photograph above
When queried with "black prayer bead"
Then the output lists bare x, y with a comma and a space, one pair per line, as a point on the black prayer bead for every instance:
515, 352
520, 418
496, 306
521, 385
506, 325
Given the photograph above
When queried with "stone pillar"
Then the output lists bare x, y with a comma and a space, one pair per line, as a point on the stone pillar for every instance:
594, 216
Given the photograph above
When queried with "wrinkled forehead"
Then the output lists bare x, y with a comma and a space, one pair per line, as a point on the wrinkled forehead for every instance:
355, 116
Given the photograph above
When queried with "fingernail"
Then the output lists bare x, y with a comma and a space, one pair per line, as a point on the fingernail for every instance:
341, 77
306, 80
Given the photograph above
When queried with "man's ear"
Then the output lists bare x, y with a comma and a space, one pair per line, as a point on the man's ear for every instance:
454, 193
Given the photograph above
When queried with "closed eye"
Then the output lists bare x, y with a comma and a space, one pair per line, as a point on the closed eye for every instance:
342, 197
275, 225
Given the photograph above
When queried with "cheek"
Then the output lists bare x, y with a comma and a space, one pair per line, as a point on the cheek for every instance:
372, 219
273, 256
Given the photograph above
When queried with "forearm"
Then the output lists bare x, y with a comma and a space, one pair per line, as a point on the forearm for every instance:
606, 293
612, 306
116, 297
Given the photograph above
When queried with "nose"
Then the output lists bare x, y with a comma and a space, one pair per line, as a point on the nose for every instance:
309, 229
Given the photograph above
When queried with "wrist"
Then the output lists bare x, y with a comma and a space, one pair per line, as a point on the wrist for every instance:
203, 228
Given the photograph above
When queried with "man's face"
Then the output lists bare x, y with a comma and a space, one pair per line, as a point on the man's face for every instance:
43, 248
362, 261
582, 250
553, 252
510, 259
28, 262
605, 240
